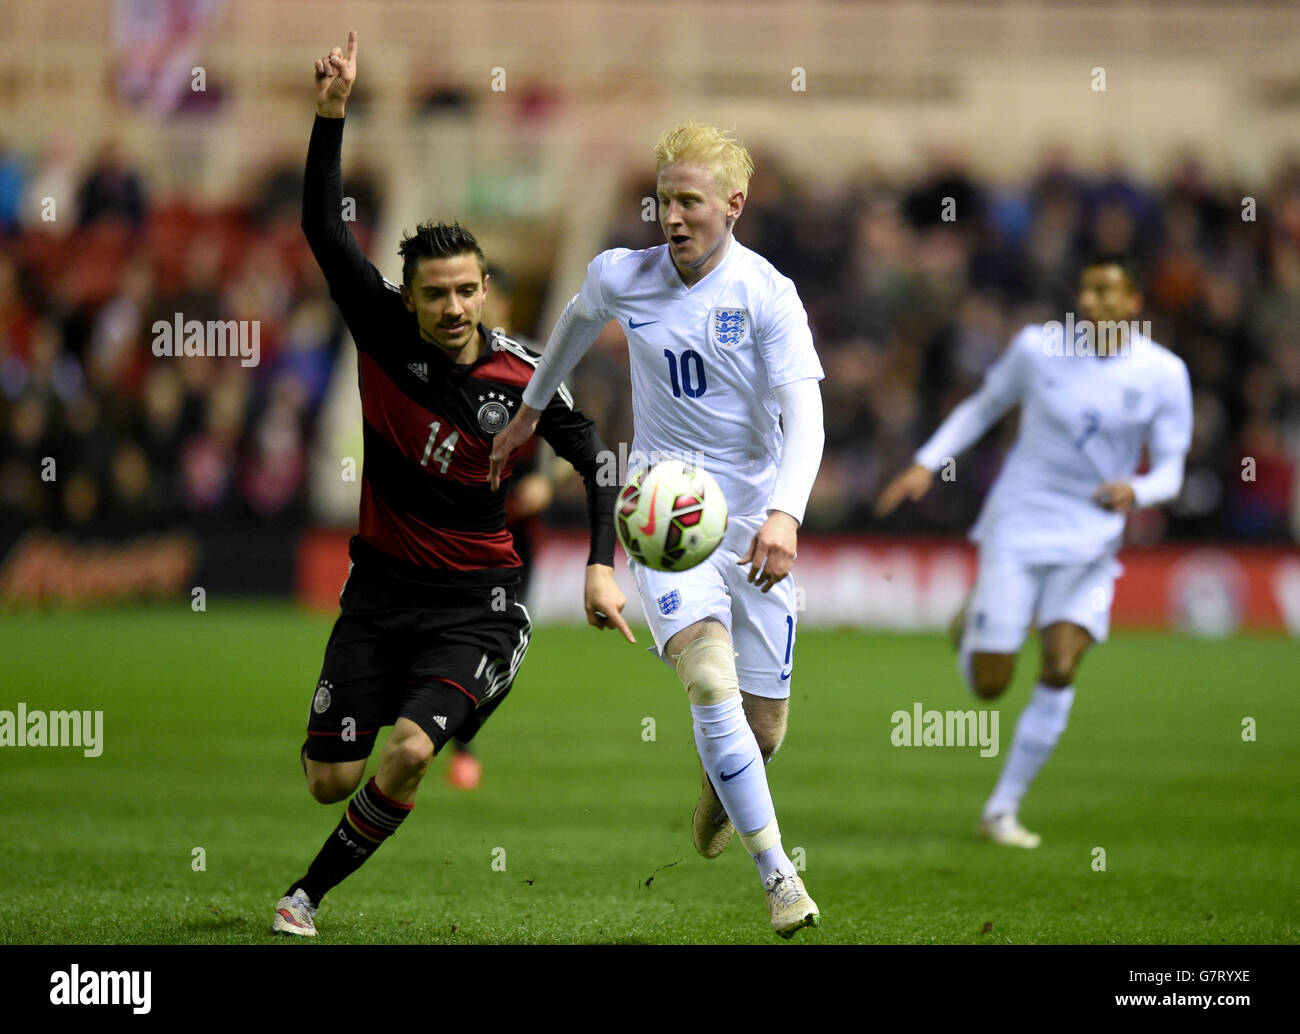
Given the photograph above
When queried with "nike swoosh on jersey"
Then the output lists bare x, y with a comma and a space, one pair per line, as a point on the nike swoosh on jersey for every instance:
633, 324
649, 529
726, 777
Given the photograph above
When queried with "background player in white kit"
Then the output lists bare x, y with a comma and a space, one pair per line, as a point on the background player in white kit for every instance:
724, 375
1052, 523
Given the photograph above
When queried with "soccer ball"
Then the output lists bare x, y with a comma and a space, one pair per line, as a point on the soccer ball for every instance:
671, 517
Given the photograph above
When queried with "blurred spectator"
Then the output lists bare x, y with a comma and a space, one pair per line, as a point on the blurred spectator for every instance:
120, 329
209, 455
276, 460
110, 190
440, 94
50, 198
12, 176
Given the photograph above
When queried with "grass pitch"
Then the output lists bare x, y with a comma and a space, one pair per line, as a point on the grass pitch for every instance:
580, 832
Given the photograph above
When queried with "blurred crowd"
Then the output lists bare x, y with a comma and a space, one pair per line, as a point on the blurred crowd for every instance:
96, 432
907, 309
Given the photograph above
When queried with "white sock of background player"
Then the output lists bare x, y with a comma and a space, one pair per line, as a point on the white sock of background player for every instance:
1040, 726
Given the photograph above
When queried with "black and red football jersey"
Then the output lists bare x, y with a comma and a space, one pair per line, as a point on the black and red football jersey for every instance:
426, 508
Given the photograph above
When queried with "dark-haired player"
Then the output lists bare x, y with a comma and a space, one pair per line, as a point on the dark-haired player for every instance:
431, 632
537, 473
1092, 393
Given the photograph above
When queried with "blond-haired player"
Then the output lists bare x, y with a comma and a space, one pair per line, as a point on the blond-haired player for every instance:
724, 375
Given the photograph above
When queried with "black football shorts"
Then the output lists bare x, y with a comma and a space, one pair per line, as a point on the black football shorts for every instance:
444, 658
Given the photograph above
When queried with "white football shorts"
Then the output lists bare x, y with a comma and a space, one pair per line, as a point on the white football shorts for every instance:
1011, 594
761, 625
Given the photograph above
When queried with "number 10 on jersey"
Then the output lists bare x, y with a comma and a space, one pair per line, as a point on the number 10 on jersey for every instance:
686, 378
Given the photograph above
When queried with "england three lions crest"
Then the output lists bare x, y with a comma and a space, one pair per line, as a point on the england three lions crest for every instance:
728, 328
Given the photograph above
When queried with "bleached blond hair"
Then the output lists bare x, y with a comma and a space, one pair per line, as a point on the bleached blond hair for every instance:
710, 146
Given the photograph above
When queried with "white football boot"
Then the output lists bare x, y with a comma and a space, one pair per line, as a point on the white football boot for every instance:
1006, 829
295, 914
788, 903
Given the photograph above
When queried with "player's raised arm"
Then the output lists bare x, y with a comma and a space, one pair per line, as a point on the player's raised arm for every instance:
962, 428
911, 484
335, 74
347, 270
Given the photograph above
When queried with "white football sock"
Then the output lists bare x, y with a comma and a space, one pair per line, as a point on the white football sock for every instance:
728, 748
771, 859
1040, 726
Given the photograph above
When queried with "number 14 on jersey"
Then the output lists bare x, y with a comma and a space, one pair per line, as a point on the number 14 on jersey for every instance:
442, 454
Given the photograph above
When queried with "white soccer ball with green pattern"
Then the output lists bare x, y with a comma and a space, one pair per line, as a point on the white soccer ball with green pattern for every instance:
671, 517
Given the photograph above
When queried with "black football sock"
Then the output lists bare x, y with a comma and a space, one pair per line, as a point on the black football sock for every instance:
370, 819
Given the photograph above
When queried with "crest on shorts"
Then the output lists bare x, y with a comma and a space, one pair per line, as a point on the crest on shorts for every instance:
728, 327
493, 416
321, 702
669, 602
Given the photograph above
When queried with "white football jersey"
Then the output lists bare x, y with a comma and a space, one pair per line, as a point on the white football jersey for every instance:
1083, 421
705, 361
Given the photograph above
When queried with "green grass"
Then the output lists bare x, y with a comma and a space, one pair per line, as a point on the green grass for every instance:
204, 715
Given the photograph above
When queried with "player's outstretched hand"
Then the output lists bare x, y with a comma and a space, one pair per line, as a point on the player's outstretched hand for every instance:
913, 483
605, 601
772, 550
1116, 496
335, 74
508, 441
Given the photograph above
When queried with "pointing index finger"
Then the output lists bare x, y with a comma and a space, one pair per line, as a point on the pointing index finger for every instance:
617, 621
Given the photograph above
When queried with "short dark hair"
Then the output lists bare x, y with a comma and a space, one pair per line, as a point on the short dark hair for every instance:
437, 240
1126, 262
